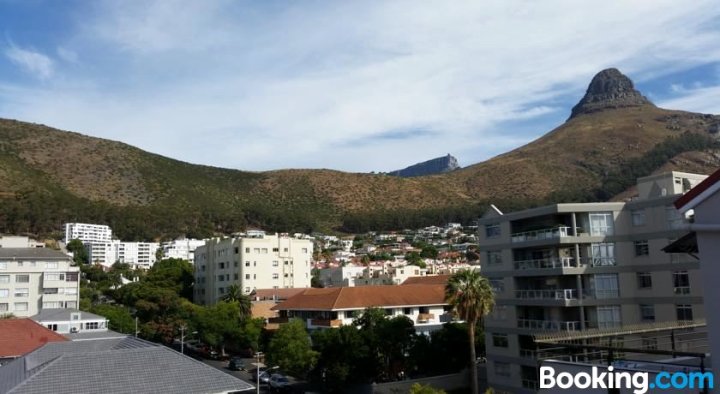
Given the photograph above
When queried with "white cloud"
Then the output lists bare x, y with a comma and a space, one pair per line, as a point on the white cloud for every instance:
256, 86
703, 100
36, 63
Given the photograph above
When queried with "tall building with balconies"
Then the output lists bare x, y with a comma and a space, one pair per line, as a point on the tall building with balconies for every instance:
33, 279
258, 262
586, 272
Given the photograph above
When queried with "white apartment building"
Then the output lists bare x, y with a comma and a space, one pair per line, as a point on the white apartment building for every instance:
33, 279
13, 241
87, 233
137, 254
259, 262
586, 272
183, 249
71, 321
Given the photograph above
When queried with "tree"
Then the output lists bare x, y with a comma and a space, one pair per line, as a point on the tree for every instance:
234, 294
418, 388
176, 274
119, 317
471, 298
80, 254
219, 324
290, 349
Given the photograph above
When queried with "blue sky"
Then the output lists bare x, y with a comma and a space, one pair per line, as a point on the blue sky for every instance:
352, 85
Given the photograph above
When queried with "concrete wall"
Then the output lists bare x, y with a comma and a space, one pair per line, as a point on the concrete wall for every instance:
456, 381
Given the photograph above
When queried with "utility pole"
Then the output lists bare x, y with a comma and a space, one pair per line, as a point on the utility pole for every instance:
258, 354
136, 326
182, 339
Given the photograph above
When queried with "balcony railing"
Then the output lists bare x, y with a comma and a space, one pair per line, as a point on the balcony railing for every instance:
557, 294
548, 325
548, 263
326, 322
682, 290
549, 233
602, 261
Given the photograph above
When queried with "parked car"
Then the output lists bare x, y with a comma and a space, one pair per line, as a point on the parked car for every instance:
254, 372
279, 382
236, 364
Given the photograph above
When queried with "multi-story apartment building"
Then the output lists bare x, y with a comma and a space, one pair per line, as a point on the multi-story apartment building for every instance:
32, 279
87, 233
259, 262
594, 267
137, 254
181, 249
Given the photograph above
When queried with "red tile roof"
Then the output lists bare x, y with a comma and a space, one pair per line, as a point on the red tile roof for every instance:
21, 336
427, 280
361, 297
697, 190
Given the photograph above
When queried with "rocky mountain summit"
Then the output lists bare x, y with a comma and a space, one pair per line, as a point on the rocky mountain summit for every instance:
434, 166
609, 89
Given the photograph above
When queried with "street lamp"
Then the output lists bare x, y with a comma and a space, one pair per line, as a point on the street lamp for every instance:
258, 355
182, 338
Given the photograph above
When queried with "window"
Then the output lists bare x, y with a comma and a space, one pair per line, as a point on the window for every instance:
601, 223
236, 264
52, 326
247, 276
285, 250
492, 230
684, 312
70, 290
221, 278
221, 290
49, 276
606, 286
304, 250
287, 262
498, 285
222, 265
641, 248
499, 312
4, 278
50, 291
276, 276
407, 311
92, 325
51, 305
22, 292
256, 250
644, 280
276, 250
71, 305
247, 250
681, 282
3, 266
275, 263
388, 311
649, 343
235, 277
638, 217
647, 313
500, 340
237, 250
350, 314
71, 277
502, 369
494, 257
4, 307
603, 254
247, 263
4, 293
264, 250
21, 306
608, 316
22, 278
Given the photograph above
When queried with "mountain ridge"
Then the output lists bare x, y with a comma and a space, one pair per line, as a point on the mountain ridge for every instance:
434, 166
48, 176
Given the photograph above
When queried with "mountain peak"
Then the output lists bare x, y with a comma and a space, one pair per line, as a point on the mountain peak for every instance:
609, 89
438, 165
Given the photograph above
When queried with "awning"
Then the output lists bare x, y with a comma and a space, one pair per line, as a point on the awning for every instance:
686, 244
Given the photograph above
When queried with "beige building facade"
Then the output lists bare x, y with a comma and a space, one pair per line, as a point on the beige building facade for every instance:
259, 262
569, 268
34, 279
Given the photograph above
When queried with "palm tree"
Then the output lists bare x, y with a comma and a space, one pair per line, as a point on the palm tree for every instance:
471, 298
234, 294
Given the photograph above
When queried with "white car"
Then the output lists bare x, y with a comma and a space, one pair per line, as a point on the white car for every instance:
279, 382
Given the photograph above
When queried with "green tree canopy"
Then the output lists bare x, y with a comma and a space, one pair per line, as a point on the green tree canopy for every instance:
290, 349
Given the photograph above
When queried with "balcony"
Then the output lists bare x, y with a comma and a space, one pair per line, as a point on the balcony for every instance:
548, 263
548, 325
326, 322
557, 294
425, 317
278, 320
549, 233
681, 290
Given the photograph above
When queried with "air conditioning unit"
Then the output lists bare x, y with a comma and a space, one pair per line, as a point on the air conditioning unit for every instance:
73, 330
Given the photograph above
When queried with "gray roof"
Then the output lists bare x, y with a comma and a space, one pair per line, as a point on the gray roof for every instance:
126, 365
32, 254
94, 335
64, 315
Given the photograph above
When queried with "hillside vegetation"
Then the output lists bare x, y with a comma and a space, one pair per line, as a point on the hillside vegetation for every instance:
48, 176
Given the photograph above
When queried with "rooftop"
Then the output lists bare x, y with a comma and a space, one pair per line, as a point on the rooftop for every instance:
21, 336
427, 280
126, 365
361, 297
32, 254
64, 315
274, 294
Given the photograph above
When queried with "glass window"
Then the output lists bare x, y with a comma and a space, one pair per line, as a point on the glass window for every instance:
21, 306
494, 257
608, 316
649, 343
500, 340
275, 263
3, 266
70, 290
22, 278
407, 311
684, 312
641, 248
499, 312
4, 278
644, 280
498, 285
52, 265
681, 282
647, 312
276, 276
606, 286
638, 217
603, 254
22, 292
71, 277
4, 307
601, 223
247, 276
51, 305
4, 293
492, 230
